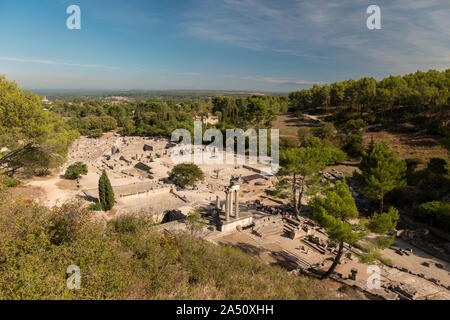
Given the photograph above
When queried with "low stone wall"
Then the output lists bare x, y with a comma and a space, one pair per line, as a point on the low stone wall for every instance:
147, 193
231, 225
121, 193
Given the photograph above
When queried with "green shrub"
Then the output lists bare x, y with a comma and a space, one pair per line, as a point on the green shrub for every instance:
39, 244
411, 166
127, 260
95, 133
126, 224
312, 142
354, 145
93, 123
95, 207
66, 222
75, 170
445, 142
327, 132
304, 134
9, 182
436, 213
438, 166
355, 126
333, 155
344, 289
194, 222
372, 255
279, 190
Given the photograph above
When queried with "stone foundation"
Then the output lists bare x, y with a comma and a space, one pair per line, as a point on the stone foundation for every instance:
233, 223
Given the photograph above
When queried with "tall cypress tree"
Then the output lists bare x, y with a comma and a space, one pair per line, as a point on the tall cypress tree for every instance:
105, 192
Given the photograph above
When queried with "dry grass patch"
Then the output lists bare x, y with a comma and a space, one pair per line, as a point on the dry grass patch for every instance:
409, 145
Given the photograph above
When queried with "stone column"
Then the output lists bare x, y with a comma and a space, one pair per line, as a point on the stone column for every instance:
227, 206
236, 204
231, 203
217, 203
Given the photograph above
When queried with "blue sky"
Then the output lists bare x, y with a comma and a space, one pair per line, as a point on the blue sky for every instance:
218, 44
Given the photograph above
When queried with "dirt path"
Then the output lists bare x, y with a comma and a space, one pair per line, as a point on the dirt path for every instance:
55, 191
314, 118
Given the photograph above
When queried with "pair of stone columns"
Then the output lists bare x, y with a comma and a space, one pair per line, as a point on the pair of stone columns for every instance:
231, 193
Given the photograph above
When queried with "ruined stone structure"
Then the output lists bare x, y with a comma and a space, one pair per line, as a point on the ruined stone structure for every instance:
131, 191
230, 210
232, 202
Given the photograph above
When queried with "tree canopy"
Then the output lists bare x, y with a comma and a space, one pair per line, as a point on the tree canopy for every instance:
420, 90
302, 166
30, 137
337, 213
381, 171
186, 174
257, 111
74, 171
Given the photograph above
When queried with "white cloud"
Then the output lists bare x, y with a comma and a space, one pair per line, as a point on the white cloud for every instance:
414, 34
56, 63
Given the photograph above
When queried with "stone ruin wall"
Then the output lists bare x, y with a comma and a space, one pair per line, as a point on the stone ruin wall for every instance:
146, 193
117, 153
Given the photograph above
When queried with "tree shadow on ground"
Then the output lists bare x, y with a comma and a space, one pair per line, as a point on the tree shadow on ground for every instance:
284, 260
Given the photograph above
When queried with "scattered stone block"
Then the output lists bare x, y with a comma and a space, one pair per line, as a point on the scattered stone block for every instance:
148, 147
405, 290
114, 150
353, 274
436, 281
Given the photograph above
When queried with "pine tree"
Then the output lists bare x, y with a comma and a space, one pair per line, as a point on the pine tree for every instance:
30, 137
302, 165
105, 192
334, 213
337, 213
381, 172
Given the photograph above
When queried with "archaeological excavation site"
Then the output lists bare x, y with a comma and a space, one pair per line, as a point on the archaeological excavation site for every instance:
236, 210
227, 158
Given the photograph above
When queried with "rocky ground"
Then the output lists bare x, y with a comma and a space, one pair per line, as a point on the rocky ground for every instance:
408, 272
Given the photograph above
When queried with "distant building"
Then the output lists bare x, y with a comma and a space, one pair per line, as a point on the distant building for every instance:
46, 101
116, 100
